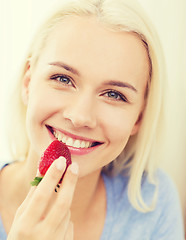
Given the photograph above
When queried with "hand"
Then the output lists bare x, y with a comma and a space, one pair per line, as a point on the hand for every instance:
45, 214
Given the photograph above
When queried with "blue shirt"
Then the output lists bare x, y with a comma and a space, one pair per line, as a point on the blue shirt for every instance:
123, 222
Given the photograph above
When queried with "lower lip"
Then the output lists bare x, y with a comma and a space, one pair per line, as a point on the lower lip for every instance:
81, 151
77, 151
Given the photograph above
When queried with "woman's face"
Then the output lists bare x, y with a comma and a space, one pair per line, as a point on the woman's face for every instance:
87, 90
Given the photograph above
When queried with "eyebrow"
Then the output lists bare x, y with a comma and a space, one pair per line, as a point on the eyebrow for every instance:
120, 84
76, 72
66, 67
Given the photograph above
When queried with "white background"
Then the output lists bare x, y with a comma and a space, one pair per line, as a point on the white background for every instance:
18, 21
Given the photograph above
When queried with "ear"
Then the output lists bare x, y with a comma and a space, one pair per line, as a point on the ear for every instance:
25, 83
137, 124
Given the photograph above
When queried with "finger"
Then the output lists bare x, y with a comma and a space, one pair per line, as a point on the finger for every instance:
64, 196
70, 232
25, 203
56, 231
45, 190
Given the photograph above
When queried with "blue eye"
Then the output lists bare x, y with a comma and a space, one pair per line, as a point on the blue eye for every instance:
116, 96
62, 79
113, 95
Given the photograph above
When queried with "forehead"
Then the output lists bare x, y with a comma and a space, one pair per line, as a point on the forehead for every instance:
85, 43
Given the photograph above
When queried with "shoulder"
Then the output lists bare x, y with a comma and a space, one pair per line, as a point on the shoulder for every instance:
164, 181
3, 234
164, 189
163, 185
164, 192
167, 219
2, 165
164, 220
168, 209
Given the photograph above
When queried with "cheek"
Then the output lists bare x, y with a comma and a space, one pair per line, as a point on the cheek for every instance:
118, 138
119, 124
39, 108
118, 129
43, 102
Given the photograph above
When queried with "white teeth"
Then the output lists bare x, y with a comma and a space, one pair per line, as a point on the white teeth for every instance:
77, 144
87, 144
83, 144
64, 139
59, 137
71, 142
56, 134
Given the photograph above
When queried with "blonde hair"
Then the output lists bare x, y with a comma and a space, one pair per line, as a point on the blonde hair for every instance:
117, 15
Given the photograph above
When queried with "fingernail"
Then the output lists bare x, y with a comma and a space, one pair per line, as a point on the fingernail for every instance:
60, 163
37, 173
74, 168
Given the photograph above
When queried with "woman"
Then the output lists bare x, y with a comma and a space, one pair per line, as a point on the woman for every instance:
94, 79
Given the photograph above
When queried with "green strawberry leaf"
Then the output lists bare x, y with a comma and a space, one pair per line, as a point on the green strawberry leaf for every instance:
36, 181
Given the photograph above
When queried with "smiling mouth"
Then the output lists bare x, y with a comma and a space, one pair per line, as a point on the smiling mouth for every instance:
71, 142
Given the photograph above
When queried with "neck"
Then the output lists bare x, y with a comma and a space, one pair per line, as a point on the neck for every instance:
86, 194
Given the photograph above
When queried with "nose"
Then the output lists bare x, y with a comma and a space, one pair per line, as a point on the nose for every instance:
81, 112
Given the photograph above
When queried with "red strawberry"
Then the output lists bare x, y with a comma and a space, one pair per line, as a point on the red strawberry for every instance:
53, 152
